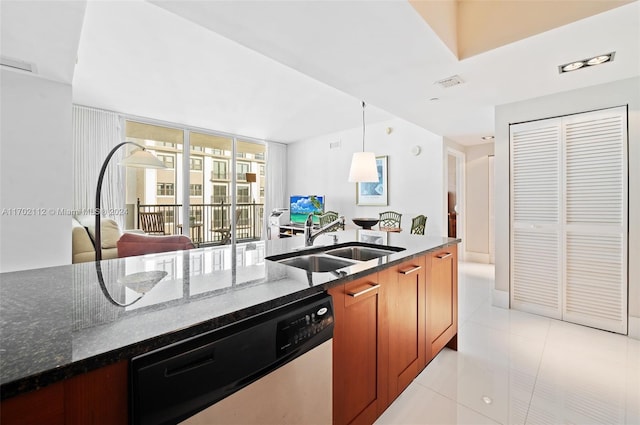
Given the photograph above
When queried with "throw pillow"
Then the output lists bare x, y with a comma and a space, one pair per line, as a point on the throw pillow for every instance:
110, 231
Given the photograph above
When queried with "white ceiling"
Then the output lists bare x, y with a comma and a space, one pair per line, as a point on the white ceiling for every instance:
219, 64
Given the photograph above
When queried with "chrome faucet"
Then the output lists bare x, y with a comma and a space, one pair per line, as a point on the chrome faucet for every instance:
310, 236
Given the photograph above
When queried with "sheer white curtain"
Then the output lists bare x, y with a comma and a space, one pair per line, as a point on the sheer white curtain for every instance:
95, 133
276, 190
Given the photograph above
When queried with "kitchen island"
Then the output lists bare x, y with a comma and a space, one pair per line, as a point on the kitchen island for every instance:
60, 323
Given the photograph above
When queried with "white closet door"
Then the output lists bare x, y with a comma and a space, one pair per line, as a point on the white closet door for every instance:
595, 282
535, 212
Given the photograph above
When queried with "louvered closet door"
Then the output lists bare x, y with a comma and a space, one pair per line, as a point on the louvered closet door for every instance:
595, 282
535, 212
569, 206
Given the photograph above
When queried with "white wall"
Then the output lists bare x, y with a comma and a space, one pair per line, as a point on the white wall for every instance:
477, 202
35, 172
415, 182
624, 92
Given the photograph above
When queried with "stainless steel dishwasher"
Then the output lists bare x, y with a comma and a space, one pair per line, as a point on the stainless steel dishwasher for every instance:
272, 368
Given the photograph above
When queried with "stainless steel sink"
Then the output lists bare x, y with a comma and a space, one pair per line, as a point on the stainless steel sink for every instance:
334, 257
316, 263
359, 253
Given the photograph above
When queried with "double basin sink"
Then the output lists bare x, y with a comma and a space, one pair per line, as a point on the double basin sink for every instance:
331, 258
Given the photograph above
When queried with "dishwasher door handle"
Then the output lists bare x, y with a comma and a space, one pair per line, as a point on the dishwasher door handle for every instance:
201, 361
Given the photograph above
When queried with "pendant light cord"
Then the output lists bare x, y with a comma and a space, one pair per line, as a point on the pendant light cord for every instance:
363, 105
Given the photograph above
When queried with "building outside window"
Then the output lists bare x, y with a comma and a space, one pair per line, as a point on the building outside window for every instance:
219, 170
195, 190
219, 193
242, 168
166, 189
243, 193
168, 160
195, 164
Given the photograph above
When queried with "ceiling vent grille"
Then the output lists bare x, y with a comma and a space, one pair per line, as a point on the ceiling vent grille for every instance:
17, 64
454, 80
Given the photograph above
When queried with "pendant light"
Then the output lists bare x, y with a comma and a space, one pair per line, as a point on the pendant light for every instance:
363, 164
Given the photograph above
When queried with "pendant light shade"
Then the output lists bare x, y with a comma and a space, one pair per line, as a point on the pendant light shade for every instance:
363, 168
363, 164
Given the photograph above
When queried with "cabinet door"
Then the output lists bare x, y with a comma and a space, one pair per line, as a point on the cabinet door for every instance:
359, 359
406, 306
442, 300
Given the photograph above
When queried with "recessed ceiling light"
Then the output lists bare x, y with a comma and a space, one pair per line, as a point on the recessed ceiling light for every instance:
488, 137
598, 60
572, 66
585, 63
486, 399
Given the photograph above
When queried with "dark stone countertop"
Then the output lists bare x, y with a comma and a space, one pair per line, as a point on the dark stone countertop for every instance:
59, 322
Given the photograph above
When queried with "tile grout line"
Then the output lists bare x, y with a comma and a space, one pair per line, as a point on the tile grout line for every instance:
535, 381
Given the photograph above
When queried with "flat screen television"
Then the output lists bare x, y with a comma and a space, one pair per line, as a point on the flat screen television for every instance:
300, 206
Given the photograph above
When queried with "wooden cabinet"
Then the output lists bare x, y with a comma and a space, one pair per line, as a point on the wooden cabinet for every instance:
442, 301
360, 355
96, 397
406, 311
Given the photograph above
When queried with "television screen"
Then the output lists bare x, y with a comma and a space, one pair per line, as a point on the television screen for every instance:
301, 206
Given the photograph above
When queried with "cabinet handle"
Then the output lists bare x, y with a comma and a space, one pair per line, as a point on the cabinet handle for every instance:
411, 270
364, 291
443, 256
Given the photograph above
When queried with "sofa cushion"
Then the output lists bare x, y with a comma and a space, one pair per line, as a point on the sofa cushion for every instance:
110, 231
131, 244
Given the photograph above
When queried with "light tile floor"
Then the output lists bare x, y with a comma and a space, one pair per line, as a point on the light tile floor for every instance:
518, 368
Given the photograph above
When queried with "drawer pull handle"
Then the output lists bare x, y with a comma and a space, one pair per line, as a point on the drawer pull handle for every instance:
443, 256
411, 270
364, 291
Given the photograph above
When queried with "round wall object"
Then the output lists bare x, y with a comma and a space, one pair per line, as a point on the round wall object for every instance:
416, 150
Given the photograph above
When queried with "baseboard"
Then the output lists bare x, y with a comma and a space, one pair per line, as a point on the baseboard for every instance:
500, 299
634, 327
476, 257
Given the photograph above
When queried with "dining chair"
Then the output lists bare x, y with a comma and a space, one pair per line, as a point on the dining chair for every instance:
390, 221
418, 225
327, 218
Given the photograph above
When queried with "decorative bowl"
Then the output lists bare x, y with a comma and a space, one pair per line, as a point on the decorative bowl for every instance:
365, 223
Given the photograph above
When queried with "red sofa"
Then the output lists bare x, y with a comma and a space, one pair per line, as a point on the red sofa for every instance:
131, 244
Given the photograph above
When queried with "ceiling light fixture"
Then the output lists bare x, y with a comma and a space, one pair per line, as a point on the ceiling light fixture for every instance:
488, 137
585, 63
363, 164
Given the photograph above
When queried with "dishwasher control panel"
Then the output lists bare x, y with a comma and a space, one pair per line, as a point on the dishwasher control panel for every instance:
304, 325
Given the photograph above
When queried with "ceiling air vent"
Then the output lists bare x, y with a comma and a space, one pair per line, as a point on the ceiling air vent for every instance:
17, 64
454, 80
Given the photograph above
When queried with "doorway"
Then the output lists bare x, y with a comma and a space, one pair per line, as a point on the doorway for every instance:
454, 196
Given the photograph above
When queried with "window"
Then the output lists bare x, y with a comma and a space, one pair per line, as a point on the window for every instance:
243, 193
219, 170
262, 170
168, 160
195, 190
165, 189
219, 194
195, 164
242, 168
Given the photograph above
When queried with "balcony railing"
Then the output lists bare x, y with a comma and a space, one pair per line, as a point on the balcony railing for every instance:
210, 223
